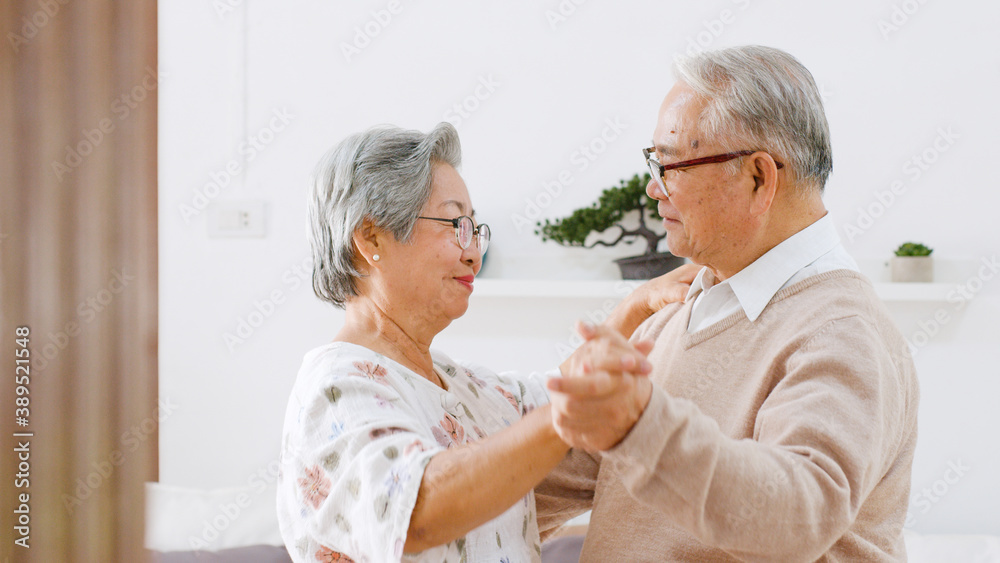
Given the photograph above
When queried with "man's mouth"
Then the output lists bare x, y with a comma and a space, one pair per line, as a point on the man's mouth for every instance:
466, 281
667, 217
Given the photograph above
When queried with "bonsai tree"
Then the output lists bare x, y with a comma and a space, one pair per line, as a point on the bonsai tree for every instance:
608, 212
913, 249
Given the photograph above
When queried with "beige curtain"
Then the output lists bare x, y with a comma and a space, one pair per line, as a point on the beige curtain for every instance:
78, 257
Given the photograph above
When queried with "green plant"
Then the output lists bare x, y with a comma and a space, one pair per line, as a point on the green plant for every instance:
913, 249
610, 209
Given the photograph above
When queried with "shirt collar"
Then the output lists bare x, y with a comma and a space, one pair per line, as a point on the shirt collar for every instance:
702, 282
755, 285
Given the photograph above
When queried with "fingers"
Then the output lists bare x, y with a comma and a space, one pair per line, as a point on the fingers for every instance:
644, 347
671, 287
605, 349
586, 330
683, 274
595, 386
591, 331
665, 295
598, 422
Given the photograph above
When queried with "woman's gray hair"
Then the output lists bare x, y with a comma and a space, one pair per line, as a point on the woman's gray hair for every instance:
762, 98
383, 174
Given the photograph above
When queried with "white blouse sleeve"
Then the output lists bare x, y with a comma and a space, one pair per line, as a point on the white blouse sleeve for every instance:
527, 390
354, 456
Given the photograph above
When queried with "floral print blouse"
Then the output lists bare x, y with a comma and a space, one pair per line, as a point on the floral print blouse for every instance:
359, 431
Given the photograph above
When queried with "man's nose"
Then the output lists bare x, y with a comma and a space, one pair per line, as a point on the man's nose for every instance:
654, 190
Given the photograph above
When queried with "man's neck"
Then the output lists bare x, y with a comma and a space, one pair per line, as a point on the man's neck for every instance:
778, 228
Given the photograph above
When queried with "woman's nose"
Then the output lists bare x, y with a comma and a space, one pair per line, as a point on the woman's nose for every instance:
471, 254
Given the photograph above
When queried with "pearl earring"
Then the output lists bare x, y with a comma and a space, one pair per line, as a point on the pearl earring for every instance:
376, 257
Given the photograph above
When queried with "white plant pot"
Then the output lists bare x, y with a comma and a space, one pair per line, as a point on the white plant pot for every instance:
913, 269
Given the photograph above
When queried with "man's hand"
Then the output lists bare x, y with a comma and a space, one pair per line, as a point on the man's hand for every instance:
603, 391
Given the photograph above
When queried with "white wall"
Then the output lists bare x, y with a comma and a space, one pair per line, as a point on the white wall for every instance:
553, 86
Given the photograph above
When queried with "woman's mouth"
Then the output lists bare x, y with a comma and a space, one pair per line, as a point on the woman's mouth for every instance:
466, 281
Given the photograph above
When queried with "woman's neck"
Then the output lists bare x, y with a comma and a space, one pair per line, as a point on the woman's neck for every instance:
369, 325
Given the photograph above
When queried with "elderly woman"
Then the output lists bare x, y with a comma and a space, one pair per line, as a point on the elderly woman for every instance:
393, 451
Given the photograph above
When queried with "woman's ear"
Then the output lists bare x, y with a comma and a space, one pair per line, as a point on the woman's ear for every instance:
369, 241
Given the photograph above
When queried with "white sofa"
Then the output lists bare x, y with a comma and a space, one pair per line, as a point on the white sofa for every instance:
240, 524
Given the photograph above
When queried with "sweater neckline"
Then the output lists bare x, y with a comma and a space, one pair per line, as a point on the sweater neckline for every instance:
690, 340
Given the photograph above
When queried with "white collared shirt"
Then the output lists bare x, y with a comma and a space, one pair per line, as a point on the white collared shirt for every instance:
813, 250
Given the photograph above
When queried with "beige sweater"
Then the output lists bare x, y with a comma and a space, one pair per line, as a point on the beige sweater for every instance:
787, 439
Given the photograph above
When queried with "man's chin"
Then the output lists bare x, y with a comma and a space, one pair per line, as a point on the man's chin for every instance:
676, 250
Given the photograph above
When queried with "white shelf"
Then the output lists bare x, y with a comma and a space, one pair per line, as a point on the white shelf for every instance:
914, 291
554, 288
617, 289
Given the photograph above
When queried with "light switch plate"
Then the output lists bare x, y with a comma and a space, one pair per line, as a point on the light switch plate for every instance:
242, 218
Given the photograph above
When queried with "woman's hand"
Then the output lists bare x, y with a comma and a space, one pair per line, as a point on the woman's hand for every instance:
603, 389
650, 297
669, 288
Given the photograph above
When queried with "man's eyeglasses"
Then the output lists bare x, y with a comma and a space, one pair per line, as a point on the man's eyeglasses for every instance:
657, 170
466, 230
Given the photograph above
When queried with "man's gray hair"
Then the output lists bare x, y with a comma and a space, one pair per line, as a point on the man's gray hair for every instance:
383, 174
762, 98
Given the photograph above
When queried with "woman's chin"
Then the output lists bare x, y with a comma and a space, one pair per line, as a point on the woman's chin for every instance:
454, 309
461, 309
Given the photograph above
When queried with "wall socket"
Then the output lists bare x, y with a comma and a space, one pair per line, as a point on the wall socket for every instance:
243, 218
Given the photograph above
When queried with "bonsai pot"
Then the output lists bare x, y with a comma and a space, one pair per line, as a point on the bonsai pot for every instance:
648, 266
913, 269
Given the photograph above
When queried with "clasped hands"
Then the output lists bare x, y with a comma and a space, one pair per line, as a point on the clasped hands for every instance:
603, 390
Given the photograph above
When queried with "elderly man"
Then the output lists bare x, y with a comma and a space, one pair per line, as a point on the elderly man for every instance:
779, 422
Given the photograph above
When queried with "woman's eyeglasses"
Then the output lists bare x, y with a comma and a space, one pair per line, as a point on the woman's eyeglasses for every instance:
466, 230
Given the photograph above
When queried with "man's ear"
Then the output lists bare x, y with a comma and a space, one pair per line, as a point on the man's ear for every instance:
369, 241
764, 172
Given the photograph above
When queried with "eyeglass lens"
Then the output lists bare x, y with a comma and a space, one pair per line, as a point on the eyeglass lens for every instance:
465, 228
484, 238
654, 171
